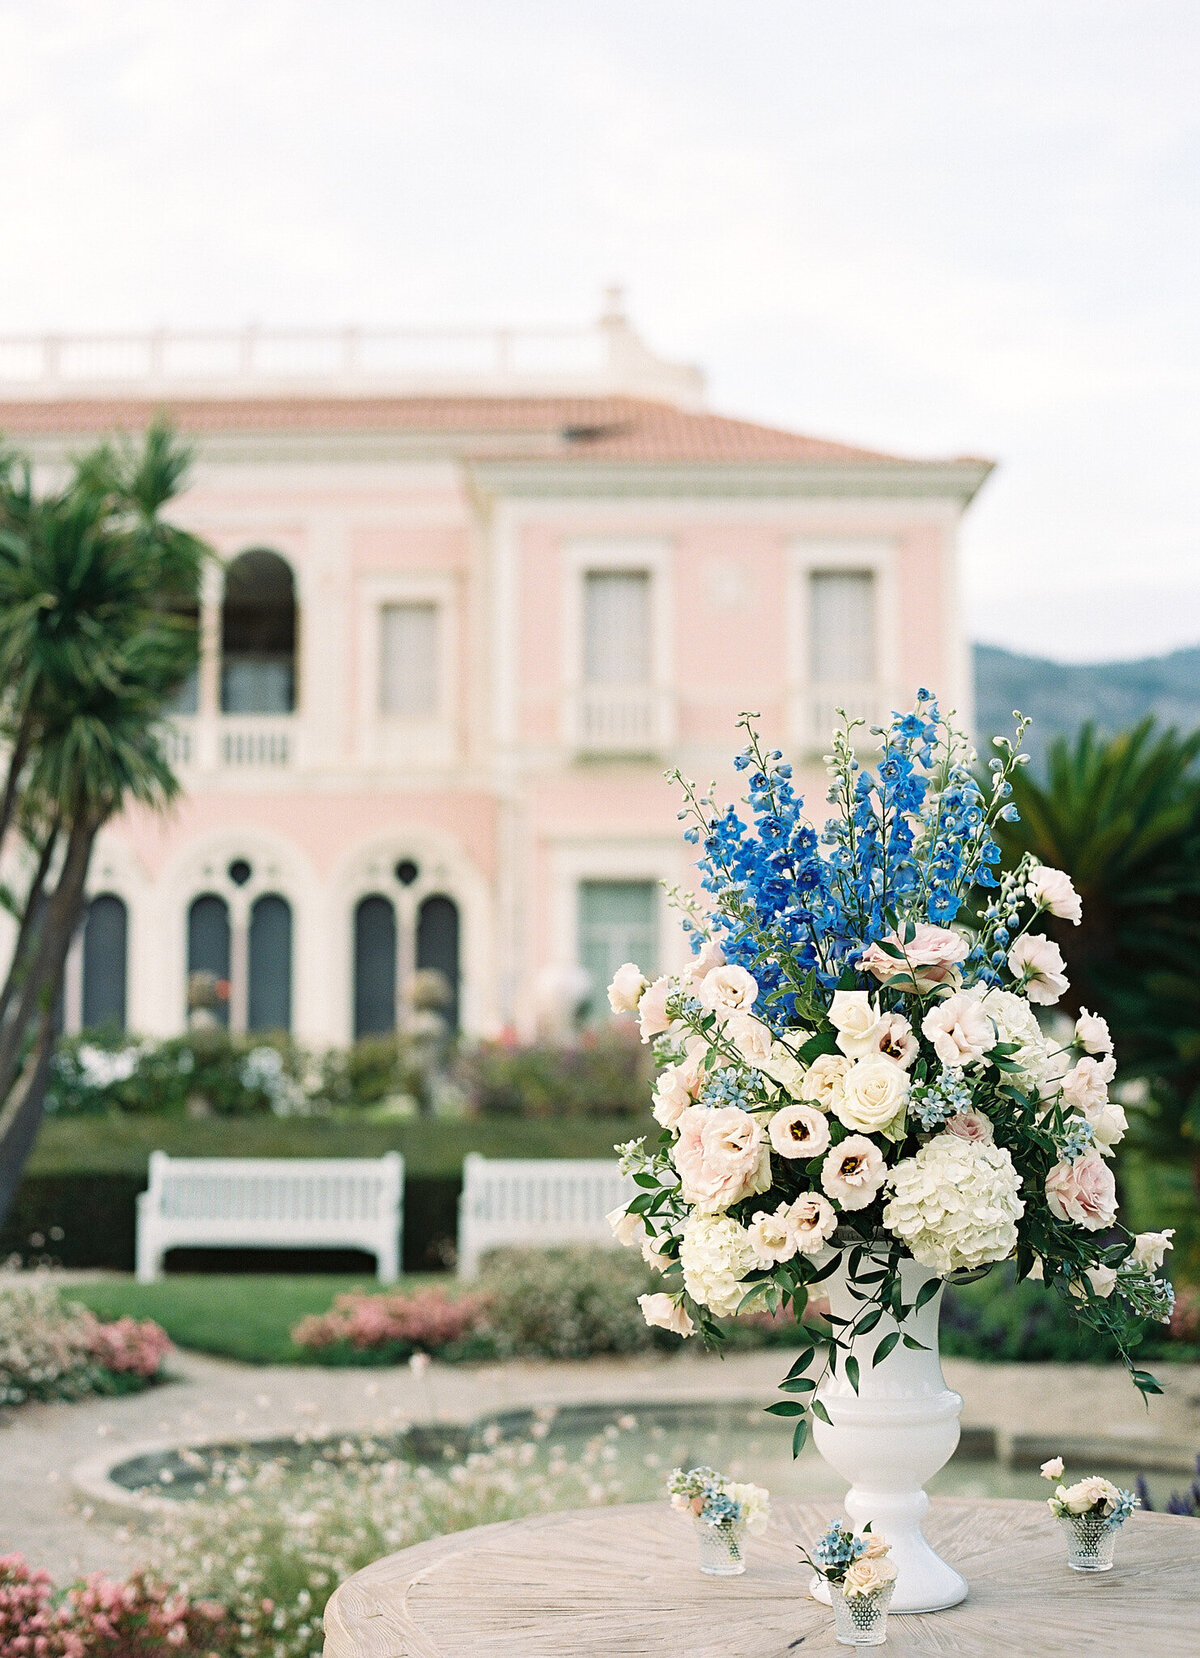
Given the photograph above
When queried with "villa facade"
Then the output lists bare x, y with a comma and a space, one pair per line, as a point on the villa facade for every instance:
475, 593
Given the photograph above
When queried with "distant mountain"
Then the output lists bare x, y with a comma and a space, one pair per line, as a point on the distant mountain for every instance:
1060, 696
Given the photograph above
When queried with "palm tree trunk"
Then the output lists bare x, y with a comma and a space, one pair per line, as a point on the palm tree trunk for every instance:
22, 1114
30, 919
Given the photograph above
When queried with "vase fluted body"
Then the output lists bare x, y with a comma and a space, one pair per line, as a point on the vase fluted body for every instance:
891, 1436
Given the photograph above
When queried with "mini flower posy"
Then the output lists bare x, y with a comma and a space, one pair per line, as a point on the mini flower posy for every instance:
724, 1510
852, 1068
1091, 1512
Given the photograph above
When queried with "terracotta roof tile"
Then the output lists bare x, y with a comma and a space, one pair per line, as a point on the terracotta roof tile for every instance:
584, 428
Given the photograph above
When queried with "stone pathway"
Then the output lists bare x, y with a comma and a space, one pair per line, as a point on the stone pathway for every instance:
43, 1516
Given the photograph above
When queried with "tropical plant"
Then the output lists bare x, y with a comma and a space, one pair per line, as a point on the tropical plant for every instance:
1121, 815
97, 632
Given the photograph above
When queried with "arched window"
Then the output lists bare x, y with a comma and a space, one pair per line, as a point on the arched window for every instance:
269, 1002
208, 961
105, 934
437, 946
374, 967
258, 636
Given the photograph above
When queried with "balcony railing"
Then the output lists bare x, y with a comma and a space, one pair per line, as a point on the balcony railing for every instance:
821, 707
231, 742
620, 719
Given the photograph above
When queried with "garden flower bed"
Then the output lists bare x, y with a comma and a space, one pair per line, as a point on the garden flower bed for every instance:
53, 1349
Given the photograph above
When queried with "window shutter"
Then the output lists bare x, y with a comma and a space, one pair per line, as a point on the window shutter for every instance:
408, 659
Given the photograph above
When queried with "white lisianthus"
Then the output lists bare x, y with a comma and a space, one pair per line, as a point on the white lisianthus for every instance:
627, 1229
1150, 1248
1091, 1033
1052, 1470
755, 1503
1103, 1281
1037, 963
799, 1131
853, 1172
653, 1018
728, 990
626, 989
874, 1093
677, 1087
955, 1204
760, 1049
716, 1254
1053, 890
709, 956
854, 1017
814, 1221
823, 1081
959, 1029
1087, 1494
663, 1312
895, 1040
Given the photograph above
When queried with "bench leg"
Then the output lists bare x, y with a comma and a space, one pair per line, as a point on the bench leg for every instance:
388, 1261
149, 1258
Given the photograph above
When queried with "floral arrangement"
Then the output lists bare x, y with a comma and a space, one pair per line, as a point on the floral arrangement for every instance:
718, 1501
853, 1058
858, 1564
1093, 1496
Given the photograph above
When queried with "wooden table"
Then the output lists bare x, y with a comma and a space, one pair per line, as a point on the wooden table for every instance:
623, 1583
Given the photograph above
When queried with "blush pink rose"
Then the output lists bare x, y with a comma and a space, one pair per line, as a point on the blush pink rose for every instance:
722, 1156
930, 958
970, 1125
959, 1029
1083, 1192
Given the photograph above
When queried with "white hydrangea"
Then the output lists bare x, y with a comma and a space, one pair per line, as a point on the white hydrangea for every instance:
1016, 1022
716, 1254
955, 1204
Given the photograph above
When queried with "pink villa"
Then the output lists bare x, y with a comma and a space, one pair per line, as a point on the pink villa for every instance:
476, 591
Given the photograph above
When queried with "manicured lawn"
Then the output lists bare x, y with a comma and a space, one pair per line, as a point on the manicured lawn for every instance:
235, 1316
121, 1145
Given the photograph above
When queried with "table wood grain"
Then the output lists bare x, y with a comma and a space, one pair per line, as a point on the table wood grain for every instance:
623, 1583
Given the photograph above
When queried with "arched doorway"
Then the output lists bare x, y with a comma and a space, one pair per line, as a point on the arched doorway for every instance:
208, 958
269, 997
438, 946
374, 966
258, 636
105, 959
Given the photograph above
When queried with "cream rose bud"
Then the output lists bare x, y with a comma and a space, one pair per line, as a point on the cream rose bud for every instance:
1150, 1248
1086, 1084
959, 1029
1052, 1470
1083, 1192
814, 1221
1037, 963
854, 1017
728, 990
772, 1236
1091, 1033
895, 1040
799, 1131
627, 1229
853, 1172
822, 1082
876, 1547
1109, 1124
873, 1092
626, 988
652, 1009
663, 1312
1053, 890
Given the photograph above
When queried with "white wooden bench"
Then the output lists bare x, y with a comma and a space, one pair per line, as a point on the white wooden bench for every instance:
272, 1203
535, 1203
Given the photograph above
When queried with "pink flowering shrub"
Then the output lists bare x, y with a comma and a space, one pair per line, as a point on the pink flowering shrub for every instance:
395, 1325
128, 1347
54, 1349
104, 1619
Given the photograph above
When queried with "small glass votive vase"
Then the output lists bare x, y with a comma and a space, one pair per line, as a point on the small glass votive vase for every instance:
1090, 1542
861, 1620
722, 1547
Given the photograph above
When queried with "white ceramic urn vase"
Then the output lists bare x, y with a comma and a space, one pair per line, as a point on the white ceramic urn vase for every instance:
891, 1436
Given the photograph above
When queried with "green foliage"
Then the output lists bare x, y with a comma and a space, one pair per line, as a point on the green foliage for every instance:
1122, 816
604, 1073
1001, 1319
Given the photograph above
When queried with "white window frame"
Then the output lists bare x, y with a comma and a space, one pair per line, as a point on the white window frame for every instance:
809, 556
572, 863
407, 739
585, 555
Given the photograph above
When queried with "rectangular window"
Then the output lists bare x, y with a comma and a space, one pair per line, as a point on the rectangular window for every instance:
842, 627
616, 628
618, 922
408, 660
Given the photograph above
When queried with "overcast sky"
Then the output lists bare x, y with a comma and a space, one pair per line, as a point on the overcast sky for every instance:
933, 226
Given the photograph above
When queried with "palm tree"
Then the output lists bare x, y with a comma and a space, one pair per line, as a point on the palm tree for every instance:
95, 637
1122, 816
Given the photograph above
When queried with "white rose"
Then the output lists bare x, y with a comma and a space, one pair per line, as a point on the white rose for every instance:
1091, 1033
1150, 1248
959, 1029
854, 1017
1036, 962
728, 990
822, 1083
1086, 1084
663, 1312
1053, 890
874, 1091
626, 988
1109, 1124
772, 1236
